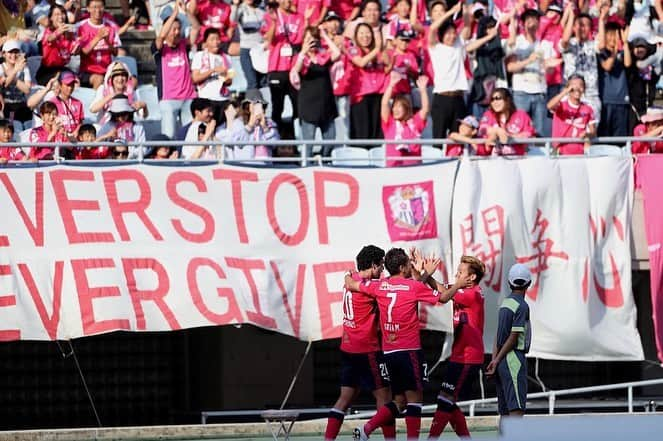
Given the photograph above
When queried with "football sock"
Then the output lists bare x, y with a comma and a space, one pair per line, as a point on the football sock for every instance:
385, 415
441, 417
413, 421
334, 422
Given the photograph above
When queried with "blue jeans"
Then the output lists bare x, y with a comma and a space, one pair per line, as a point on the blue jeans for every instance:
328, 130
170, 110
535, 106
254, 79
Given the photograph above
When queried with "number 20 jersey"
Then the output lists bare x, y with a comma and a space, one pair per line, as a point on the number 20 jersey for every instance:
360, 322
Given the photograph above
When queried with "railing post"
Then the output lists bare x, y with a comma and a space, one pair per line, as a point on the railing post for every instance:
630, 399
304, 154
472, 405
547, 147
551, 404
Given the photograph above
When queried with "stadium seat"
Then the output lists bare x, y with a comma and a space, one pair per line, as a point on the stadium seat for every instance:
149, 94
431, 154
131, 63
86, 95
350, 156
538, 150
377, 156
33, 66
239, 82
605, 150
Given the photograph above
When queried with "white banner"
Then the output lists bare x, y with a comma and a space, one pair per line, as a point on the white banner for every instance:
87, 250
569, 221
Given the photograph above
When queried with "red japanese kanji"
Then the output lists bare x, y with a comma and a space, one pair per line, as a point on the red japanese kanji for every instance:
489, 252
612, 297
543, 250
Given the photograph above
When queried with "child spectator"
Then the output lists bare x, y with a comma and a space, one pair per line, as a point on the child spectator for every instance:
249, 17
16, 83
6, 136
98, 41
651, 127
212, 14
121, 126
51, 130
400, 122
116, 82
400, 21
86, 134
162, 152
612, 82
173, 72
211, 71
572, 118
58, 45
403, 61
69, 108
501, 122
468, 128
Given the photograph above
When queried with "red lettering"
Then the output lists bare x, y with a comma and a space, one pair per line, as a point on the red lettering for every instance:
236, 177
305, 214
68, 206
139, 206
246, 266
295, 320
208, 221
50, 322
233, 312
328, 299
155, 295
5, 301
323, 211
86, 295
36, 228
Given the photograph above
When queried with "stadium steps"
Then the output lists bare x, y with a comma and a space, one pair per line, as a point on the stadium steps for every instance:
137, 44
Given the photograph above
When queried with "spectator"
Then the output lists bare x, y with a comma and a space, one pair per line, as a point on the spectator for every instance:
6, 136
160, 152
283, 32
121, 126
69, 108
572, 118
370, 13
400, 122
438, 8
16, 82
36, 21
651, 127
51, 130
213, 14
205, 132
468, 128
348, 10
403, 61
116, 82
319, 7
489, 71
501, 122
249, 18
341, 70
98, 41
173, 72
448, 57
212, 71
551, 30
252, 125
58, 45
369, 73
529, 59
418, 8
203, 112
201, 129
402, 20
612, 82
641, 77
120, 152
87, 134
579, 52
316, 94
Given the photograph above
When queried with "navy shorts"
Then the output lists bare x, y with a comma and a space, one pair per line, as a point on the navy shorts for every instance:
364, 371
408, 370
458, 379
511, 383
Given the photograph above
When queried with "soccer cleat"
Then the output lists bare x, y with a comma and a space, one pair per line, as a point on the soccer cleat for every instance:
358, 434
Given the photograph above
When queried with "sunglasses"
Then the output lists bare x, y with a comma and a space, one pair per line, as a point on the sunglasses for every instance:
497, 98
121, 154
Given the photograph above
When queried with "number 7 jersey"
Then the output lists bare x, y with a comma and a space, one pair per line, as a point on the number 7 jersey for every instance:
398, 300
360, 322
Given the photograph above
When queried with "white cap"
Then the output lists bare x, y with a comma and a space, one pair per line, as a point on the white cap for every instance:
11, 45
519, 275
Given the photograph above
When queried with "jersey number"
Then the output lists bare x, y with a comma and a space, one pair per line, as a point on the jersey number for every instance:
392, 296
348, 311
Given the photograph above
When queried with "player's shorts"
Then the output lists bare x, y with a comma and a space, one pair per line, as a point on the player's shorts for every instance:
407, 369
458, 379
511, 383
365, 371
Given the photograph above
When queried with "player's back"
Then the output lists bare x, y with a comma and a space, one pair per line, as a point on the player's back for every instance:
360, 322
468, 326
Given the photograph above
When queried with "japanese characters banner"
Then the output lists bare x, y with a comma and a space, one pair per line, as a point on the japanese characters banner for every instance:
649, 179
86, 250
568, 220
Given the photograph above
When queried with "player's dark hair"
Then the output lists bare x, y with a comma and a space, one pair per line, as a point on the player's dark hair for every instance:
477, 267
394, 260
87, 128
368, 256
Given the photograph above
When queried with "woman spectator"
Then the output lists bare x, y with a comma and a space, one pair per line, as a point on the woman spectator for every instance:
370, 13
249, 19
370, 71
116, 82
572, 118
251, 125
651, 127
51, 130
121, 125
316, 94
58, 45
69, 108
15, 84
501, 122
400, 122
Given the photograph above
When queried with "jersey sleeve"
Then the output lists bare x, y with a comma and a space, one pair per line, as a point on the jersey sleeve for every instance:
425, 293
465, 297
519, 320
368, 287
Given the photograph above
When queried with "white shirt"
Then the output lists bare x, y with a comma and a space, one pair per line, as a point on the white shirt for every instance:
449, 67
211, 87
532, 79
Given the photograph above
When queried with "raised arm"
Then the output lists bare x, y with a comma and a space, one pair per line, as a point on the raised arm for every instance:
422, 84
385, 109
568, 27
476, 44
435, 26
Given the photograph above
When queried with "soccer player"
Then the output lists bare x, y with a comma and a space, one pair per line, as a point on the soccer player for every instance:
511, 344
398, 299
362, 361
467, 350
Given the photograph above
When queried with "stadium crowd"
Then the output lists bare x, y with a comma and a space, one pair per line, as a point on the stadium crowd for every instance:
478, 72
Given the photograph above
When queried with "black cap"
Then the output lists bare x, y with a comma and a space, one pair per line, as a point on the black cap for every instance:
405, 34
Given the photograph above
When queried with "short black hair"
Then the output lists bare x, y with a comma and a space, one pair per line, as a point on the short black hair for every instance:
585, 15
449, 24
613, 26
199, 104
368, 256
210, 31
534, 13
6, 124
366, 2
395, 259
87, 128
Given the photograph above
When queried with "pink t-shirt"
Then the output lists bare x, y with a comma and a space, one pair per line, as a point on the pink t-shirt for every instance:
70, 112
176, 79
369, 79
342, 71
11, 153
396, 24
302, 5
638, 147
406, 65
518, 124
360, 322
571, 121
93, 153
214, 14
344, 8
101, 55
421, 9
39, 134
396, 130
552, 32
289, 32
398, 301
57, 53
